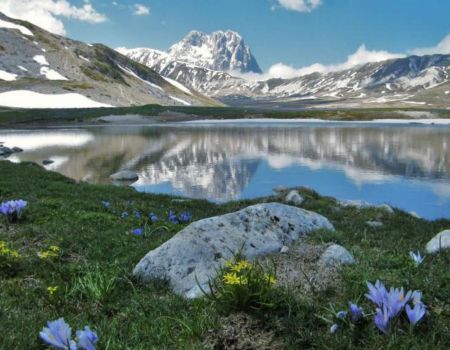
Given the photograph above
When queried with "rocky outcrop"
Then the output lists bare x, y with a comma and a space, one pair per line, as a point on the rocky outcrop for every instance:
124, 175
439, 242
336, 255
364, 205
191, 258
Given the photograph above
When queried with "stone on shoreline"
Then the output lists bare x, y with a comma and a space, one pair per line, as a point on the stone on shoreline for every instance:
439, 242
125, 175
47, 161
191, 258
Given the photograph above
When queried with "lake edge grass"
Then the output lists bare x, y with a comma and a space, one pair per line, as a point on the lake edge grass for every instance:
98, 250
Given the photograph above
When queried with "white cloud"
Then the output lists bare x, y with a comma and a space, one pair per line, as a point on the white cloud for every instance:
46, 13
443, 47
141, 10
361, 56
300, 5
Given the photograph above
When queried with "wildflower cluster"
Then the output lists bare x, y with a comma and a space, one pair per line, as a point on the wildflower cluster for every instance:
391, 304
13, 210
52, 252
352, 316
243, 285
58, 335
183, 218
7, 252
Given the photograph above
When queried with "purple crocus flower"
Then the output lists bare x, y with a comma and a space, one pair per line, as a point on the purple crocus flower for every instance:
416, 297
416, 313
153, 217
356, 313
377, 293
341, 314
173, 217
396, 301
417, 258
381, 319
138, 231
106, 204
137, 214
13, 209
334, 328
124, 215
57, 335
185, 217
87, 339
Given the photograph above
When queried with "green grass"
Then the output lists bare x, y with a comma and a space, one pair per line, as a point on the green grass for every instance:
98, 252
16, 116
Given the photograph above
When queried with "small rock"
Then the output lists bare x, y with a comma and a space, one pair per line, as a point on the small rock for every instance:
48, 161
17, 149
284, 249
365, 205
336, 255
294, 197
280, 189
125, 175
192, 257
439, 242
5, 151
374, 224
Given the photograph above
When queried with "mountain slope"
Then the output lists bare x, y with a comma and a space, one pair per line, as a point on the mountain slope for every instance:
39, 69
406, 81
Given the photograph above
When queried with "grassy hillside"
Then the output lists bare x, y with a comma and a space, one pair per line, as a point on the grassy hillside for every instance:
96, 252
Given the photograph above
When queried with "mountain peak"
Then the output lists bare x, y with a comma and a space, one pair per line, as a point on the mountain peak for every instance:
220, 50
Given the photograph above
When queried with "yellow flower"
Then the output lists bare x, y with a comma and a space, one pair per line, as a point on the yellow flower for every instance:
231, 278
242, 265
46, 254
51, 290
15, 254
54, 248
270, 279
229, 263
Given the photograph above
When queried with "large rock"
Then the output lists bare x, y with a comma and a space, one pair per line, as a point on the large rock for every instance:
336, 255
124, 175
5, 151
439, 242
365, 205
196, 252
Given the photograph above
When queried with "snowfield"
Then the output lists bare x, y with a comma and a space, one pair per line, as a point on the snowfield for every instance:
32, 99
7, 76
22, 29
51, 74
178, 85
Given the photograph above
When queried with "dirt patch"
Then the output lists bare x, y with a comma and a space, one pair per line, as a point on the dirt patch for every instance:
241, 332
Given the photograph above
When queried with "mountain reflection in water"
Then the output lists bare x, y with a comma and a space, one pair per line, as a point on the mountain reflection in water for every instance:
408, 167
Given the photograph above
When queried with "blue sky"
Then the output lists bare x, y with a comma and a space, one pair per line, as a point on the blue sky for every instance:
295, 32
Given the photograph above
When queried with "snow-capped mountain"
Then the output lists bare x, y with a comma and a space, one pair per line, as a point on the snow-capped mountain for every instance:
222, 51
403, 81
42, 70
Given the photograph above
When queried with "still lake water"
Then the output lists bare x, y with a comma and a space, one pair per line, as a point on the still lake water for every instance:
405, 166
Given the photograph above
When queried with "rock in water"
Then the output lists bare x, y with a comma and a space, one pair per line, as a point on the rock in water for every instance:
196, 252
336, 255
439, 242
294, 197
125, 175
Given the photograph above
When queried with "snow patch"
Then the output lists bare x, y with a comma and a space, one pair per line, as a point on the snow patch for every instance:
22, 29
84, 58
180, 100
32, 99
133, 74
7, 76
178, 85
41, 60
51, 74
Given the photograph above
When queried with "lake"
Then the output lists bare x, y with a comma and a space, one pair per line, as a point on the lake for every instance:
406, 166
